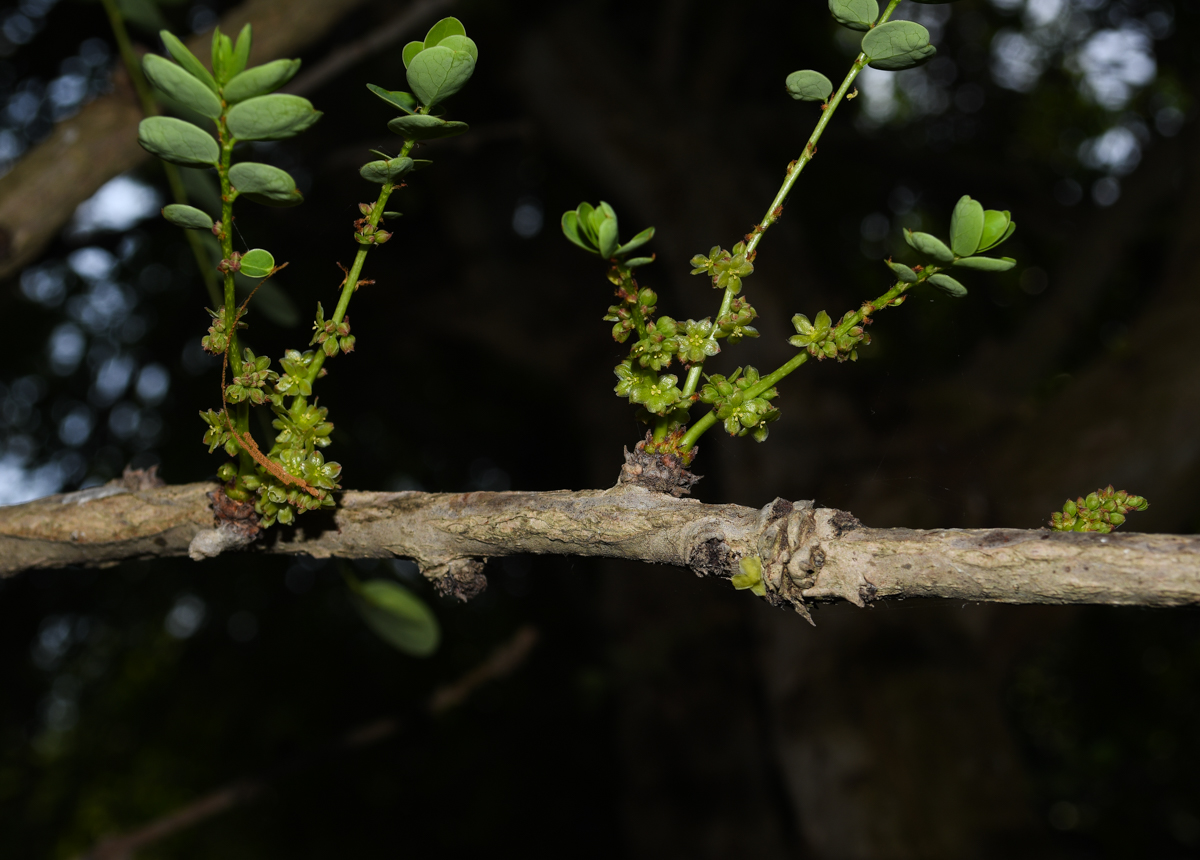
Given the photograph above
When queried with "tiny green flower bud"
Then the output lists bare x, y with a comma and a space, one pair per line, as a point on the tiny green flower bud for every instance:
227, 472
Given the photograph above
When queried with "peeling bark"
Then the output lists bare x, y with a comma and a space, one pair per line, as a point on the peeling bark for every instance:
808, 554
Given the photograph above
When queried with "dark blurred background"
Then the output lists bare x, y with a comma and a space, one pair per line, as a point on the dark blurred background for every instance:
660, 715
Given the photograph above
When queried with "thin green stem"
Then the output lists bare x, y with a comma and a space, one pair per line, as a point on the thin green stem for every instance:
773, 214
793, 173
145, 95
707, 420
810, 148
351, 282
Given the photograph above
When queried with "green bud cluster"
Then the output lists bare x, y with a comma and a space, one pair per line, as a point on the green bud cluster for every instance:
740, 413
735, 325
823, 341
1101, 511
251, 383
332, 336
636, 302
217, 435
217, 339
657, 394
726, 268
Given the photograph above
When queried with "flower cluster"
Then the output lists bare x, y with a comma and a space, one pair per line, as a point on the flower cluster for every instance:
332, 336
657, 394
726, 268
823, 341
251, 383
740, 413
735, 325
217, 339
1101, 511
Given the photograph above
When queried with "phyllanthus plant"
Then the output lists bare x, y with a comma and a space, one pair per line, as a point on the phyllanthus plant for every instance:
292, 475
742, 400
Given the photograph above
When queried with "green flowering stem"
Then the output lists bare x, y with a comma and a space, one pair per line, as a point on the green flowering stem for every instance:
692, 436
776, 208
360, 259
810, 149
150, 108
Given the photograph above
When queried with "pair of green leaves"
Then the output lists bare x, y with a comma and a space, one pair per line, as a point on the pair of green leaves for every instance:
441, 65
973, 230
595, 230
892, 46
414, 125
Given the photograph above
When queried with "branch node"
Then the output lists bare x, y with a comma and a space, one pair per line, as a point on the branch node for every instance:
659, 473
462, 578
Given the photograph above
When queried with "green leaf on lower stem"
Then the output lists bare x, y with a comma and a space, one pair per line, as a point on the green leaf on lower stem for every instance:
420, 127
188, 217
273, 117
406, 102
929, 245
398, 617
809, 86
257, 263
259, 80
987, 264
264, 184
178, 142
386, 171
897, 45
948, 285
855, 14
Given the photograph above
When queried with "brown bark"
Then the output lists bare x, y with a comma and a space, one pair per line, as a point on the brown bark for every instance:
807, 554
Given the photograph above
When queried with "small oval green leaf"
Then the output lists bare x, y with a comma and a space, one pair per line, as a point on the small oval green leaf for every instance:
584, 213
637, 241
181, 86
902, 272
987, 264
443, 29
929, 245
606, 235
570, 228
257, 263
187, 59
273, 117
437, 73
390, 170
260, 80
809, 86
262, 183
410, 51
398, 617
897, 45
461, 43
178, 142
241, 52
855, 14
187, 216
634, 262
995, 228
966, 226
948, 285
407, 102
419, 127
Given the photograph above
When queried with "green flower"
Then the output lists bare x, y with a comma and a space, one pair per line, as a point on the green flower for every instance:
656, 349
741, 415
658, 394
731, 268
302, 427
250, 383
217, 435
217, 339
331, 336
725, 268
819, 339
695, 343
735, 325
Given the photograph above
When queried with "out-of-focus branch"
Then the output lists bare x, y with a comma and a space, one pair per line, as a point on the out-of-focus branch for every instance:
381, 37
804, 553
502, 662
82, 153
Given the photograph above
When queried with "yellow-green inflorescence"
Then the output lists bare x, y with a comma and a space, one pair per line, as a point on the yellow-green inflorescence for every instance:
1101, 511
